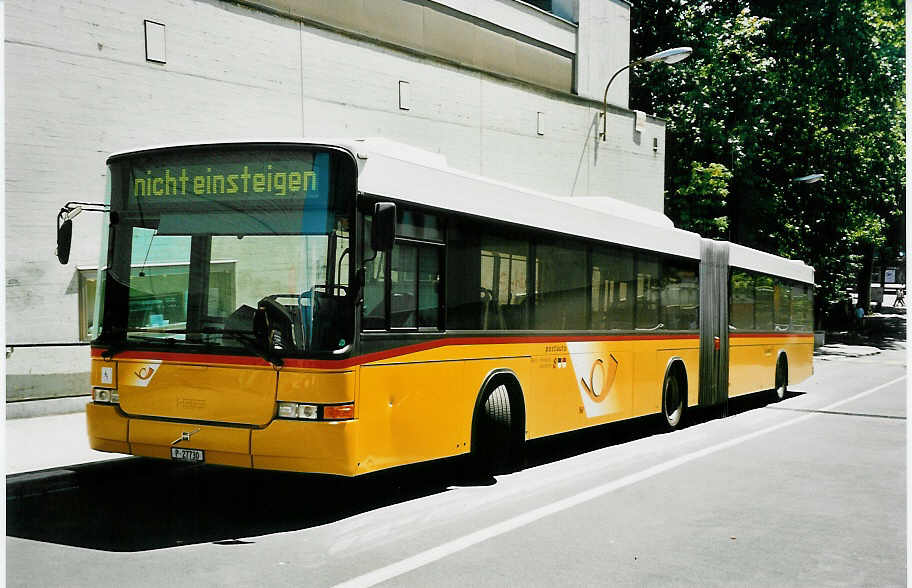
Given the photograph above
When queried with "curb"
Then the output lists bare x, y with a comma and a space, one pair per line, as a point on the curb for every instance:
41, 482
848, 351
53, 406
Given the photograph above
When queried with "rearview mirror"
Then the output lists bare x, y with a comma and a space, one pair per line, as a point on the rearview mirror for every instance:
383, 226
64, 239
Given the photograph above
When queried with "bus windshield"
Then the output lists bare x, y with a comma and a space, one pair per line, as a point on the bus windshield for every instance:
237, 251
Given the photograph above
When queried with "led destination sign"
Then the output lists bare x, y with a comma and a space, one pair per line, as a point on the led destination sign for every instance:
240, 179
191, 181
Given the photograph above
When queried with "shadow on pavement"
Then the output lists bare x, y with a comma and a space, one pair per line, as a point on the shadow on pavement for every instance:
885, 330
141, 504
549, 449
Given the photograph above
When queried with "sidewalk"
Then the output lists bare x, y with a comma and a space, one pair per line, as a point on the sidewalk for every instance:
44, 442
882, 331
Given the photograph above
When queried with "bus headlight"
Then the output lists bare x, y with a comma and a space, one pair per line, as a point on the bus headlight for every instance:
105, 396
296, 410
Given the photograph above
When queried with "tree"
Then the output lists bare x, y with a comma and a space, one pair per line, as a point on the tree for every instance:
774, 91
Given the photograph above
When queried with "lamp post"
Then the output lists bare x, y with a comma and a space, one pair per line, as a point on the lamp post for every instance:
813, 179
668, 56
809, 179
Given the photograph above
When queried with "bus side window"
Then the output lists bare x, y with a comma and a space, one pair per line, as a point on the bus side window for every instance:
415, 266
429, 286
560, 286
801, 308
741, 311
504, 263
783, 300
612, 289
487, 282
374, 308
680, 295
403, 286
763, 303
648, 293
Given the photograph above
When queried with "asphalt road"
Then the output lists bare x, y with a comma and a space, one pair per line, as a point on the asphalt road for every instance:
809, 491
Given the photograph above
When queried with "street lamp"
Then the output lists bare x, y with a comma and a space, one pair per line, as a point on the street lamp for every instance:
668, 56
809, 179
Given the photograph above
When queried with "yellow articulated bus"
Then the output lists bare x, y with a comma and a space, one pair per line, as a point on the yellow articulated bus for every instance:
344, 307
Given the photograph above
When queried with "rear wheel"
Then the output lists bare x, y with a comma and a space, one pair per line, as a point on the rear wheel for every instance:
672, 400
781, 388
492, 451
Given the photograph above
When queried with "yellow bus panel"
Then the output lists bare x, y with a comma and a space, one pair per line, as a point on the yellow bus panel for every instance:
322, 447
752, 361
316, 386
241, 394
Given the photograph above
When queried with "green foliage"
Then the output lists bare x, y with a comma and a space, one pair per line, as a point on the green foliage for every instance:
775, 91
700, 204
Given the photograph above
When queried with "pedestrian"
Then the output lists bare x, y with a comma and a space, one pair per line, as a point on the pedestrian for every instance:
859, 317
900, 298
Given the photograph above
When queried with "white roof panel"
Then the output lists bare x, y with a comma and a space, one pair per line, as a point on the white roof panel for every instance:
752, 259
425, 179
407, 173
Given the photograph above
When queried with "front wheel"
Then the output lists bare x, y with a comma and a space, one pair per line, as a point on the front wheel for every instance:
492, 450
672, 401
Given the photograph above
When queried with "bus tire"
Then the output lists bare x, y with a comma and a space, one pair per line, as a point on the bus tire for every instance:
781, 389
492, 450
673, 398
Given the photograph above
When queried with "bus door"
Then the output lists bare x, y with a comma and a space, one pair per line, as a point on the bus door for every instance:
714, 324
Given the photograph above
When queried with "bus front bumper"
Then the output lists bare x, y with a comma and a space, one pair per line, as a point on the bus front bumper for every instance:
292, 445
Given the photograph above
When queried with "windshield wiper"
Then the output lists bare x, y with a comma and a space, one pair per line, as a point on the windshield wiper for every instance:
250, 343
168, 340
244, 338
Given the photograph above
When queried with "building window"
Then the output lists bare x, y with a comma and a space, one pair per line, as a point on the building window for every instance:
565, 9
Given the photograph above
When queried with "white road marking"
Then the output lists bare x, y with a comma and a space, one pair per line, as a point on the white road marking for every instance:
456, 545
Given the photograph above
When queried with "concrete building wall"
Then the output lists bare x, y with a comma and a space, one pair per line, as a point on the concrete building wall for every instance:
78, 87
603, 48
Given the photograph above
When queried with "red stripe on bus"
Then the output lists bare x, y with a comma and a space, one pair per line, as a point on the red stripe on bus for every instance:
388, 353
379, 355
172, 356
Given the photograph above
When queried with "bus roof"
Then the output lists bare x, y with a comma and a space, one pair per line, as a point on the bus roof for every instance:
413, 175
410, 174
425, 178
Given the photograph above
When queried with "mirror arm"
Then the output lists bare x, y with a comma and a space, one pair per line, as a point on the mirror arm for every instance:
65, 217
71, 209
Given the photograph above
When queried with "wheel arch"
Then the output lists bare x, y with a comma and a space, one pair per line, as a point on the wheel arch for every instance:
678, 368
492, 380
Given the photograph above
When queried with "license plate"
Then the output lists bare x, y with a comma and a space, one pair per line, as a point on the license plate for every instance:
181, 454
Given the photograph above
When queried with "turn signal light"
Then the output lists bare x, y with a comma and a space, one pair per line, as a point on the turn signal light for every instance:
339, 412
